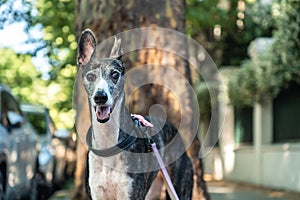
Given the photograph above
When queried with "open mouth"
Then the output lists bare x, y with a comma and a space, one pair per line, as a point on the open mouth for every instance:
102, 113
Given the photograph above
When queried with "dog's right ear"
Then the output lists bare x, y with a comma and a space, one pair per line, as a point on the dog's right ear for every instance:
116, 51
86, 47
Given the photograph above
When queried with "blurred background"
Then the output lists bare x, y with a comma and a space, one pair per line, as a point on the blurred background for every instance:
254, 43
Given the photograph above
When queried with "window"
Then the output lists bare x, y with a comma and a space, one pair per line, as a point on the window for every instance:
10, 110
286, 110
38, 121
243, 126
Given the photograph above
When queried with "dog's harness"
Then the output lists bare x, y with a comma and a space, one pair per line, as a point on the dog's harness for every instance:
130, 140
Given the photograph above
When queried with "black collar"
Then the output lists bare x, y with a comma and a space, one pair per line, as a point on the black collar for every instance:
114, 150
124, 144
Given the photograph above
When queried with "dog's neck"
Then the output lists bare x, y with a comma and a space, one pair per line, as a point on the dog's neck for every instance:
106, 134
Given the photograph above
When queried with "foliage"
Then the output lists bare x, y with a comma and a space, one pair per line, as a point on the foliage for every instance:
286, 51
265, 75
18, 70
261, 15
56, 19
250, 84
202, 17
231, 48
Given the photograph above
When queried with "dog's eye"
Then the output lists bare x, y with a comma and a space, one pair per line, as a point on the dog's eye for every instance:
91, 77
115, 75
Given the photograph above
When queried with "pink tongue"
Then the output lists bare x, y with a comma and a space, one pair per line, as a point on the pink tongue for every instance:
103, 112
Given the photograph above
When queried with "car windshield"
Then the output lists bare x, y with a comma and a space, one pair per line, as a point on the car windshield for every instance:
39, 122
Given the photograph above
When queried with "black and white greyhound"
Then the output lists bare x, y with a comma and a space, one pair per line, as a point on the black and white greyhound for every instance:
114, 171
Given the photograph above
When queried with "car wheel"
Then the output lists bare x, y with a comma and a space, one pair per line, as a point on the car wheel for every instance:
2, 182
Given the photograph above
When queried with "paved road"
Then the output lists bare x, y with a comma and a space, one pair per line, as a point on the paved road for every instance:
235, 191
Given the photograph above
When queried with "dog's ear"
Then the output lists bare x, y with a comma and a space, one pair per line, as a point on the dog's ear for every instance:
86, 47
116, 51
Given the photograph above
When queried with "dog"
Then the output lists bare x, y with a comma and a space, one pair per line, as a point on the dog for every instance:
113, 170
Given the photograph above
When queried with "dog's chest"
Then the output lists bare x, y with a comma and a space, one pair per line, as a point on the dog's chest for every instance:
107, 183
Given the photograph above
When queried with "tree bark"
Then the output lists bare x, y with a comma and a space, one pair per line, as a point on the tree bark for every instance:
107, 18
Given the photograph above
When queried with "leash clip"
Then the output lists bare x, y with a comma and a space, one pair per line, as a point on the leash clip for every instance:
149, 143
143, 124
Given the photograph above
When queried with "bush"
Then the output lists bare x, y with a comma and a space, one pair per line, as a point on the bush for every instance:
267, 73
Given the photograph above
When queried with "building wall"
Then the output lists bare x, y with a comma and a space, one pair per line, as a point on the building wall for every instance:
281, 167
263, 163
278, 168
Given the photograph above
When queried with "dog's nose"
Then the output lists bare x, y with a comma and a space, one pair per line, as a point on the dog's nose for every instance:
100, 97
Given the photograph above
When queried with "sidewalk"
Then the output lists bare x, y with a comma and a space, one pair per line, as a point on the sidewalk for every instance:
235, 191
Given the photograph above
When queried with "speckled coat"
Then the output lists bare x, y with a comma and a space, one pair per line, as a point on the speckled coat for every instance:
129, 174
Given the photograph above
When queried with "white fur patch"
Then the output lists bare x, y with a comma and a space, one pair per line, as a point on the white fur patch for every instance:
102, 85
106, 183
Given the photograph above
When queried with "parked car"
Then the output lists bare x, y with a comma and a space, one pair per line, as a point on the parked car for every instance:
52, 157
18, 151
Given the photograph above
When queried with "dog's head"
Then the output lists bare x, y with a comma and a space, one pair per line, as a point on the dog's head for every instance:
102, 78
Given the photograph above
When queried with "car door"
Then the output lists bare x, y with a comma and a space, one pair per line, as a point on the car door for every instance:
14, 121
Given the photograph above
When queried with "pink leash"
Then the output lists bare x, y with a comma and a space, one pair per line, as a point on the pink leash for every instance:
167, 179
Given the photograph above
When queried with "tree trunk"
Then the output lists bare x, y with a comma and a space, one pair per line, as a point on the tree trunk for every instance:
107, 18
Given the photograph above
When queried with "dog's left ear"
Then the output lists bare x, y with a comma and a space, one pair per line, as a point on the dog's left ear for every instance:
116, 51
86, 47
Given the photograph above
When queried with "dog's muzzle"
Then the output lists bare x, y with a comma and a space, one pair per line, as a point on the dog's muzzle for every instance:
102, 110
